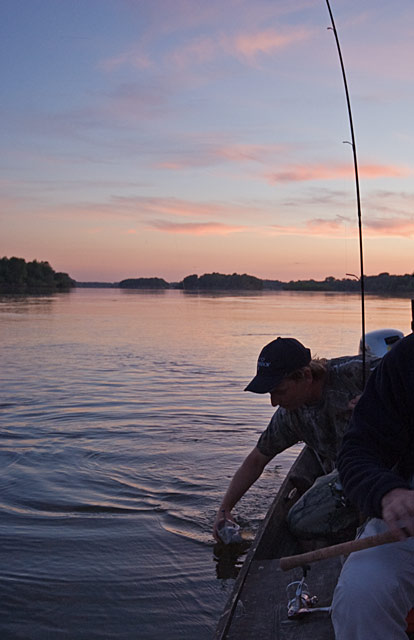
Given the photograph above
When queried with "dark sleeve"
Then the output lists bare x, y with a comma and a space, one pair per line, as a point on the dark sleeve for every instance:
380, 432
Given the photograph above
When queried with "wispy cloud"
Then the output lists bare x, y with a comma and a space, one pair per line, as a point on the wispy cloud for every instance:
171, 207
144, 210
304, 173
401, 227
205, 153
250, 45
196, 228
341, 226
334, 227
247, 45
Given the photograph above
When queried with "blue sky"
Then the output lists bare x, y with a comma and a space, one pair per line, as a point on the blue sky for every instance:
163, 138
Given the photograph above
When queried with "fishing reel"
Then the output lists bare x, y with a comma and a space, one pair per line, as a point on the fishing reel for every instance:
300, 601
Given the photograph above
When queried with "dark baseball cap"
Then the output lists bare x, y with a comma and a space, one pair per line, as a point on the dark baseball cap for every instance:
277, 360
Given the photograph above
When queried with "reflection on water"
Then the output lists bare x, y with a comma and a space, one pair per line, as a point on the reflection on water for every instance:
143, 292
123, 418
229, 559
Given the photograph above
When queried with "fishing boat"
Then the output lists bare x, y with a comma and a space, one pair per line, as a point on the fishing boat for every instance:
258, 604
268, 602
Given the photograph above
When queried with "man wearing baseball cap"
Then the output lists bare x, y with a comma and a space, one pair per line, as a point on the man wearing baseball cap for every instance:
276, 360
314, 400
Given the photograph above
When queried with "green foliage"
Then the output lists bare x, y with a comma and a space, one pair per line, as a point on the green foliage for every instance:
386, 283
190, 282
221, 282
19, 276
144, 283
63, 282
273, 285
382, 283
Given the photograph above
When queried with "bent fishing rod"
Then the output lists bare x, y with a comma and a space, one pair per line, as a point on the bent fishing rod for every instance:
358, 196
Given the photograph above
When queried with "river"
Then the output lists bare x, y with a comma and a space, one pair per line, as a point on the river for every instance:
123, 418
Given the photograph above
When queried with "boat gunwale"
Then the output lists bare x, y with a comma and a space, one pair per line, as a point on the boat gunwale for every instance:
283, 496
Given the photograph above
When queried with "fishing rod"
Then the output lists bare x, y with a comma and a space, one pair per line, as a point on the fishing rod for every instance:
358, 196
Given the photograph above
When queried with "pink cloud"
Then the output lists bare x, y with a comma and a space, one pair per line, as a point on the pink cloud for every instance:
211, 154
249, 152
196, 228
328, 225
180, 208
402, 227
137, 210
303, 173
139, 207
340, 227
334, 227
383, 171
249, 45
245, 46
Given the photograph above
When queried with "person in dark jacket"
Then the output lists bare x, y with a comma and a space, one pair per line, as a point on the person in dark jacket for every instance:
375, 590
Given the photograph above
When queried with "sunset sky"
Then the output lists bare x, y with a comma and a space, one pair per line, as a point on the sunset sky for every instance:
169, 137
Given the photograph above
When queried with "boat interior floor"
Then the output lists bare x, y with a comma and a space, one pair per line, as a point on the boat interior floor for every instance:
262, 612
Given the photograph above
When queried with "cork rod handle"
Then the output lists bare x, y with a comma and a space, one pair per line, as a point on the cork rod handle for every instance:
344, 548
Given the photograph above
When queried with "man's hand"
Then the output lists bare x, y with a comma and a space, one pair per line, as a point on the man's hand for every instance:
398, 512
250, 469
222, 514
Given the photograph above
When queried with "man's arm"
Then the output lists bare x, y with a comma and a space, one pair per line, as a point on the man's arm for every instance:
246, 475
379, 435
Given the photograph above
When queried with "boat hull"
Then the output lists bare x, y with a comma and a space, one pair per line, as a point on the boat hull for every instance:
257, 606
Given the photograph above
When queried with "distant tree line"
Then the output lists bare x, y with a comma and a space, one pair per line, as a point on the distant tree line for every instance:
19, 276
382, 283
206, 282
144, 283
222, 282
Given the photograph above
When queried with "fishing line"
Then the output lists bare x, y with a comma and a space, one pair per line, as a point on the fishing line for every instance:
358, 196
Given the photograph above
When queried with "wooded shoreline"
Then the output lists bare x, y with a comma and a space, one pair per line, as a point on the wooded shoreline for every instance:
19, 276
383, 283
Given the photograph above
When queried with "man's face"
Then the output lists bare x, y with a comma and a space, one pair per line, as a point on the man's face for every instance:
292, 394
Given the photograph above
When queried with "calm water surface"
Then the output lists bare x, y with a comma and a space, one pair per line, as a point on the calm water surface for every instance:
123, 418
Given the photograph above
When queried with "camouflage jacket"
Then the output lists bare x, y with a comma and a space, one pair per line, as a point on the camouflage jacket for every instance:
322, 425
